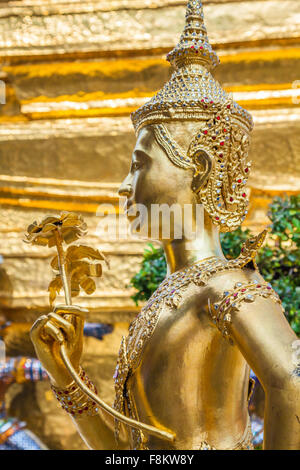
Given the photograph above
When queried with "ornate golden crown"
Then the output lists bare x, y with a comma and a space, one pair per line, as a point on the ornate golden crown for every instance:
191, 93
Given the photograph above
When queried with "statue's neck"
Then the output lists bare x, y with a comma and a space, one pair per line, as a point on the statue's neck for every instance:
183, 252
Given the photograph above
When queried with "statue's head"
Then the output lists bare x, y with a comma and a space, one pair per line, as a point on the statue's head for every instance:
192, 138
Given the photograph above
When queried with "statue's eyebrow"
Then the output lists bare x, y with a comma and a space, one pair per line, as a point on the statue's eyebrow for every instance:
141, 154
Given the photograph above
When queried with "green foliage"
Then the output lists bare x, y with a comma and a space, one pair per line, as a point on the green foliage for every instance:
152, 273
232, 242
278, 261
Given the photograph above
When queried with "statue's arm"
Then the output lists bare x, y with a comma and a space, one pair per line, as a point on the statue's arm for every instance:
98, 432
269, 345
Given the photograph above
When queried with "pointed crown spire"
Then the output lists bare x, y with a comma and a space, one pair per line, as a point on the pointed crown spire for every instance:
194, 46
191, 93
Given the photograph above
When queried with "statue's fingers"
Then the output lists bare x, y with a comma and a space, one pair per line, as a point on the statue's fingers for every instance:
71, 310
63, 324
78, 323
37, 327
77, 314
51, 329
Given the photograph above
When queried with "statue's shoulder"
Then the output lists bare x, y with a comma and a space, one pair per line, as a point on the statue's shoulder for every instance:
235, 284
214, 271
208, 275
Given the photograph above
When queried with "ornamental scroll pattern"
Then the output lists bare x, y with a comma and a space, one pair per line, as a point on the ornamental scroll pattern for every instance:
231, 302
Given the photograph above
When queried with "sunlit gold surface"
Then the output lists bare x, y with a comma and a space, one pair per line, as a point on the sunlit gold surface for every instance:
145, 27
175, 369
41, 160
192, 380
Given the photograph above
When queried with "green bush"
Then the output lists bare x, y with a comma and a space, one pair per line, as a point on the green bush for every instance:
278, 260
152, 273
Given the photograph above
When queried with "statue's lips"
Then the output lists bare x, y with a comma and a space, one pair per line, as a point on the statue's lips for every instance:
127, 206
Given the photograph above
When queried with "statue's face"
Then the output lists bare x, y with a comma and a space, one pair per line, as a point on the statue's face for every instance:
154, 180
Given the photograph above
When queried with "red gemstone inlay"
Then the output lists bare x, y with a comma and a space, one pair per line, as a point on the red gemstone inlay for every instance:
205, 132
239, 181
222, 143
235, 294
217, 218
214, 137
220, 155
244, 194
246, 170
79, 411
227, 301
192, 47
228, 106
231, 199
218, 117
211, 102
243, 290
70, 403
224, 130
202, 101
201, 47
258, 285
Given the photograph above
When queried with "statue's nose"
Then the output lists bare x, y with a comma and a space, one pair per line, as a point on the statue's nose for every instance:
125, 189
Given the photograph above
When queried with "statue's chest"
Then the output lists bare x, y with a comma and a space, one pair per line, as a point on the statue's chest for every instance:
168, 297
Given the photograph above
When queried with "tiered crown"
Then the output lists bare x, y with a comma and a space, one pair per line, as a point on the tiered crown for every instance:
191, 93
194, 46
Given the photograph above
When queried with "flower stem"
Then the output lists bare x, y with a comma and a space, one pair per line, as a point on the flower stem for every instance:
62, 267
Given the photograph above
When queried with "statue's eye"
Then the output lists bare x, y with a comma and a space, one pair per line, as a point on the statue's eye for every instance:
136, 166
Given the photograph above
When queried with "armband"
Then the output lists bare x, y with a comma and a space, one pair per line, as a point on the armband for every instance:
231, 301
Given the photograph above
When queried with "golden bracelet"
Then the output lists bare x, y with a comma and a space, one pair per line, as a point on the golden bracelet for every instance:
74, 401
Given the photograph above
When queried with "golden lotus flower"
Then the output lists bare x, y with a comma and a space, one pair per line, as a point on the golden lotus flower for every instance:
73, 268
82, 263
70, 226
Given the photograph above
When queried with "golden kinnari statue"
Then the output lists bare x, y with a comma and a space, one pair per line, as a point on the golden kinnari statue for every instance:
183, 371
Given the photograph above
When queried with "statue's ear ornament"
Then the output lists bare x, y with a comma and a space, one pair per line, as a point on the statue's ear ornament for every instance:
224, 193
223, 148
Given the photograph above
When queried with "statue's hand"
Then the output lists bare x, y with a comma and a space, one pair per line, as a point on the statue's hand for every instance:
49, 331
